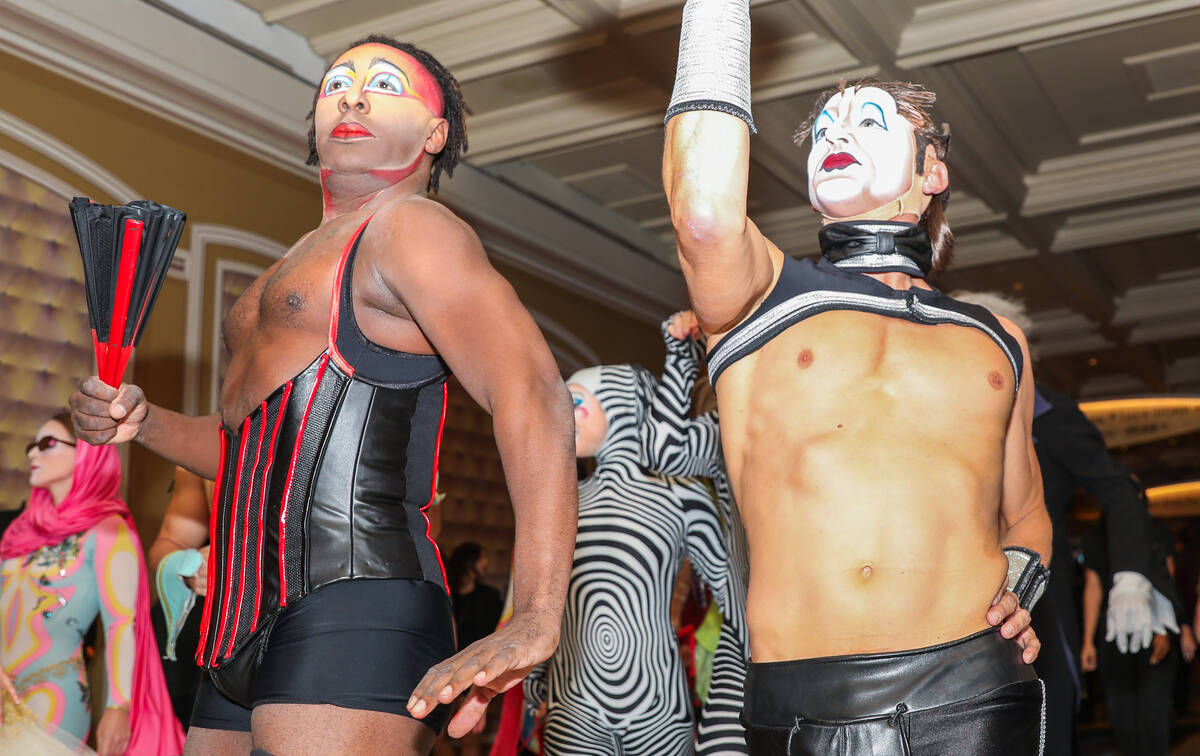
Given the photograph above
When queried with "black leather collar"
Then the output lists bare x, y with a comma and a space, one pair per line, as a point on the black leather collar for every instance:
877, 247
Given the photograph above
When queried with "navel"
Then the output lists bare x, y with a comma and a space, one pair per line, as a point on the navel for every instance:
805, 359
996, 380
866, 572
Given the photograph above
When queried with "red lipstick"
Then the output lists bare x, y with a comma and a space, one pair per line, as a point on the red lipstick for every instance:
349, 131
838, 160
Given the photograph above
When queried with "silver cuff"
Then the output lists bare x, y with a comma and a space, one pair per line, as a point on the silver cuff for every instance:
713, 72
1027, 577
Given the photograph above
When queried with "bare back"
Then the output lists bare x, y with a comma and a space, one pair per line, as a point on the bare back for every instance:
867, 458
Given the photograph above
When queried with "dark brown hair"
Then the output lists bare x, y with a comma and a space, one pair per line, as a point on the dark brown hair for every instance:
914, 103
454, 110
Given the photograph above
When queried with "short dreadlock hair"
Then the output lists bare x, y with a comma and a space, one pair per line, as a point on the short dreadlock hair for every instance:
914, 102
454, 110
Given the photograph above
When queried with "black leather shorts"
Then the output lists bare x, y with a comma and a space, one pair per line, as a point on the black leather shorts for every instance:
973, 696
359, 644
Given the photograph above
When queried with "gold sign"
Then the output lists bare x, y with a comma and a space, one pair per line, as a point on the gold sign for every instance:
1138, 420
1175, 500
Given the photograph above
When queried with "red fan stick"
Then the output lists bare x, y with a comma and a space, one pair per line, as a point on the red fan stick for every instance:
131, 245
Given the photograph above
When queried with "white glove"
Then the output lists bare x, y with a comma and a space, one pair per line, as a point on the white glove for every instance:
1136, 612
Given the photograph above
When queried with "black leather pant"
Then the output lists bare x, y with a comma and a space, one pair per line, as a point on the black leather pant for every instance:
972, 697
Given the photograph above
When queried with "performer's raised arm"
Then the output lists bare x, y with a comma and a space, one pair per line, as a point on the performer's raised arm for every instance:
706, 162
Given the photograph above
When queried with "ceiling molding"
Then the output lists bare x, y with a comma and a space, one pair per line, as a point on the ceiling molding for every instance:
1128, 223
1140, 129
153, 60
67, 156
946, 31
986, 247
1120, 173
1168, 300
1064, 331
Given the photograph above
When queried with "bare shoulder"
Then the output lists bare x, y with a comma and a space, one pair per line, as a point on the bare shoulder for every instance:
413, 226
1015, 331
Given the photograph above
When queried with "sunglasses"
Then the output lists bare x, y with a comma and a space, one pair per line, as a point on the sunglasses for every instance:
45, 443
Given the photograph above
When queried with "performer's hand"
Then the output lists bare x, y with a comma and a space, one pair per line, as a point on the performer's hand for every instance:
105, 415
488, 667
684, 325
1187, 643
1006, 609
112, 734
7, 684
1159, 648
199, 582
1087, 657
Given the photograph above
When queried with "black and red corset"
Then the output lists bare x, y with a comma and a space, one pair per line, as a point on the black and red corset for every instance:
327, 480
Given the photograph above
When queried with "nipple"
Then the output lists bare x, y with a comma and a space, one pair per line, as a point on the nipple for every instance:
805, 359
996, 380
294, 300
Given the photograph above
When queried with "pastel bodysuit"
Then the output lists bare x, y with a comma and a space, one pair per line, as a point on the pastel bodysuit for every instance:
48, 600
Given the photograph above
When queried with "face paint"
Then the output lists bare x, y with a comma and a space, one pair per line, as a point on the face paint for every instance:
862, 162
591, 424
375, 110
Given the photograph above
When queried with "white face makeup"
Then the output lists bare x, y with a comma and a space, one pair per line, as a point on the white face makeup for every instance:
591, 425
862, 154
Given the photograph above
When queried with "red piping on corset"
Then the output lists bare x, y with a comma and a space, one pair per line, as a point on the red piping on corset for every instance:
212, 565
437, 451
237, 495
336, 304
237, 610
287, 490
262, 501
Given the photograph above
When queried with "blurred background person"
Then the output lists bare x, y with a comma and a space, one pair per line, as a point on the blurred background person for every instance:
1137, 684
71, 556
179, 561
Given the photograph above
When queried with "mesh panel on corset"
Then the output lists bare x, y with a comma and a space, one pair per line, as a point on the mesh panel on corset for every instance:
237, 533
251, 520
327, 394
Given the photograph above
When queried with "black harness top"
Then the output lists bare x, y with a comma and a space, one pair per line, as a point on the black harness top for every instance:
327, 480
806, 288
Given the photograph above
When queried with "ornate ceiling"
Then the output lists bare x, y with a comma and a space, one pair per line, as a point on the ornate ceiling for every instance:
1075, 159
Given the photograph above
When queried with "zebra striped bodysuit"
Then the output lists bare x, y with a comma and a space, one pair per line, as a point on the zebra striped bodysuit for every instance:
616, 684
676, 445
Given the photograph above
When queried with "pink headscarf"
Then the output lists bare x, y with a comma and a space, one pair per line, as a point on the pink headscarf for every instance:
95, 494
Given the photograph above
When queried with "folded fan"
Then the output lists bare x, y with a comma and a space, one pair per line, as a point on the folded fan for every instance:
126, 250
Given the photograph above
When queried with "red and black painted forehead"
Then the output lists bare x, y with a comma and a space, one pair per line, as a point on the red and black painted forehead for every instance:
424, 85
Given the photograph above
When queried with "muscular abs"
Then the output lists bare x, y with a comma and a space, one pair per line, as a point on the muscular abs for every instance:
281, 322
866, 455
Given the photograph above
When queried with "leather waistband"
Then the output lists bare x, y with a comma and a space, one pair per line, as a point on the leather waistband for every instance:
838, 688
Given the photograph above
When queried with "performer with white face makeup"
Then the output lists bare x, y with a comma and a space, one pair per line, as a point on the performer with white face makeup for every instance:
876, 431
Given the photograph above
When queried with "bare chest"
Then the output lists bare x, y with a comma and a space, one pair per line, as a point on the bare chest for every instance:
294, 294
849, 363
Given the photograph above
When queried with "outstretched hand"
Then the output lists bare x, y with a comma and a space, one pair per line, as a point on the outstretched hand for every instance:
488, 667
1006, 609
105, 415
